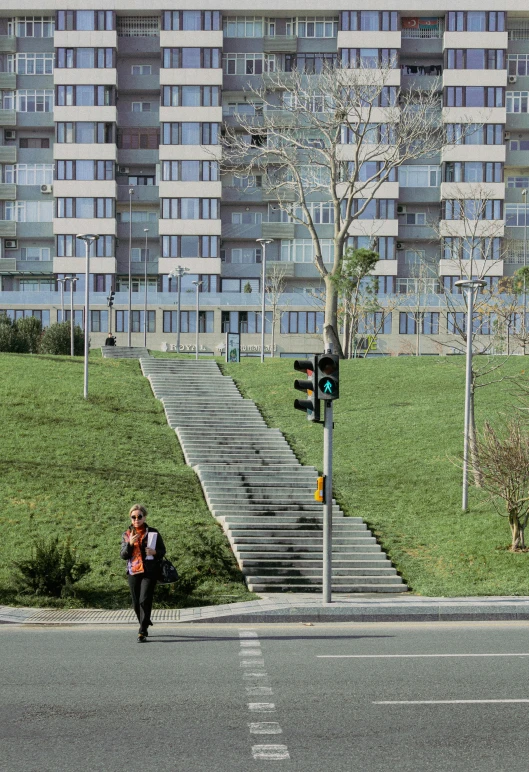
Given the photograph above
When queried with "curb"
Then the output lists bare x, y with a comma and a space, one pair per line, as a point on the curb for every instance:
293, 610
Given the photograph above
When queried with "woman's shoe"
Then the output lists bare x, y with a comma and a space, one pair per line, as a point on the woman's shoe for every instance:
142, 637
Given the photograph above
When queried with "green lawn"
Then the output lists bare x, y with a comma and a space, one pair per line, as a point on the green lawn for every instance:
398, 429
73, 468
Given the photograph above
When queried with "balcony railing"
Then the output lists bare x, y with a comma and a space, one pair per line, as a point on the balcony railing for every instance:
414, 286
435, 31
520, 31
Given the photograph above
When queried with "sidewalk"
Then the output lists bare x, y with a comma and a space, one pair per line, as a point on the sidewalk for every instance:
296, 607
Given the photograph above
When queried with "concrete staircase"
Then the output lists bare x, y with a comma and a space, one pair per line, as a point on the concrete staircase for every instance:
258, 491
124, 352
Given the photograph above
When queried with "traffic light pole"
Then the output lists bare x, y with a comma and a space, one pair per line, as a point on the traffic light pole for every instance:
327, 501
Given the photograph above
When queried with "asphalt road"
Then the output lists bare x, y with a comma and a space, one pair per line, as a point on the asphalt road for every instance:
235, 698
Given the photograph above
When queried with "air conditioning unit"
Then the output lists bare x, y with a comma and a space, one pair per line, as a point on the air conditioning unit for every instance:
9, 134
46, 188
10, 244
400, 245
401, 209
513, 78
124, 169
507, 136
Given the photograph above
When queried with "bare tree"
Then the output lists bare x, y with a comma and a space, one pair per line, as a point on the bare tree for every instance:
505, 475
343, 133
275, 288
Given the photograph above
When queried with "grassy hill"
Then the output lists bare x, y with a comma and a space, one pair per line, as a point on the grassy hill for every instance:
398, 431
73, 468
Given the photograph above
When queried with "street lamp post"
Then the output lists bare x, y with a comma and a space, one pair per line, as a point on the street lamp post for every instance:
129, 337
88, 238
146, 231
177, 273
471, 287
263, 242
73, 279
62, 282
524, 196
198, 285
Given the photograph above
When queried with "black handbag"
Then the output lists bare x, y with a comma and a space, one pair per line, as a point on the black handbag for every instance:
168, 573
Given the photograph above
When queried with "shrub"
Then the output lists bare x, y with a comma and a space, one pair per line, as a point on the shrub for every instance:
52, 569
205, 556
29, 333
56, 340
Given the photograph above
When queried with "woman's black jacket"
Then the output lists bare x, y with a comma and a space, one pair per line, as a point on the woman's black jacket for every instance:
150, 567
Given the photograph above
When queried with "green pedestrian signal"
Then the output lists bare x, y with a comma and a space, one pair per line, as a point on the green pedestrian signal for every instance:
328, 376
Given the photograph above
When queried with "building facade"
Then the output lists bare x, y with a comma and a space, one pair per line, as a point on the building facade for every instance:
110, 123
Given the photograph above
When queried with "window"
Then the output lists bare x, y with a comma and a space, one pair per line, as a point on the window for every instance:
138, 138
471, 248
243, 26
302, 250
519, 144
309, 63
248, 255
474, 96
85, 207
518, 182
190, 171
476, 21
249, 64
369, 58
98, 321
368, 133
245, 321
518, 64
419, 176
374, 322
35, 253
369, 21
302, 322
374, 209
138, 215
472, 171
313, 27
252, 181
190, 246
517, 101
85, 132
84, 170
68, 245
31, 27
516, 215
246, 218
191, 58
86, 96
190, 96
193, 21
472, 209
140, 107
413, 218
139, 255
43, 315
427, 321
190, 208
475, 59
29, 100
86, 20
475, 134
28, 211
28, 174
30, 64
138, 320
100, 58
141, 69
145, 179
190, 133
34, 142
188, 321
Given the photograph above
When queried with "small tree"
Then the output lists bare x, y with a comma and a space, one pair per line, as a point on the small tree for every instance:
351, 284
274, 288
56, 339
504, 459
9, 338
29, 333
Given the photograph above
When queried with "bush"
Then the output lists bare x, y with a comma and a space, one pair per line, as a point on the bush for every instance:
10, 340
56, 340
29, 333
52, 569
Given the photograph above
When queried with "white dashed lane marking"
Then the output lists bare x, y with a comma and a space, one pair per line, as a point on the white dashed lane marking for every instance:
257, 684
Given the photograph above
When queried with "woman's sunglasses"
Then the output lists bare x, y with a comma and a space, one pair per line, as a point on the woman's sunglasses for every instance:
137, 517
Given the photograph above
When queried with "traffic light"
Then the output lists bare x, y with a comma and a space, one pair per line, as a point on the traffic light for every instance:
110, 299
328, 376
310, 405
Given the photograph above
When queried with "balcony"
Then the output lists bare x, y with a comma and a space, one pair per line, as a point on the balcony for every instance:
137, 157
137, 83
273, 44
8, 192
419, 195
231, 193
8, 44
8, 118
149, 194
417, 233
8, 80
244, 232
8, 228
277, 266
34, 120
139, 46
8, 154
128, 118
138, 229
7, 265
34, 266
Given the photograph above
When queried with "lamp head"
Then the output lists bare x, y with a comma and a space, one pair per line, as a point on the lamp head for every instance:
89, 237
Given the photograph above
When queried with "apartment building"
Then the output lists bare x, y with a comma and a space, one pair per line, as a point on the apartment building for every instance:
110, 123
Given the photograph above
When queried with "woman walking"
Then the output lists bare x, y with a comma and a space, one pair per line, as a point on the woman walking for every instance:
143, 549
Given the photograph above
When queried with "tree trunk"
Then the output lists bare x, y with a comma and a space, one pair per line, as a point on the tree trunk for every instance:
330, 326
273, 339
517, 531
346, 327
473, 443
